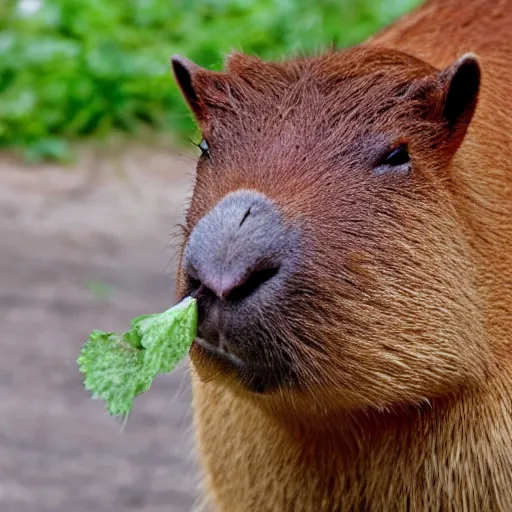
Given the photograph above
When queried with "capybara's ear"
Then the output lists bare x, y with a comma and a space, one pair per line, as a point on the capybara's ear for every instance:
448, 98
204, 90
184, 71
460, 83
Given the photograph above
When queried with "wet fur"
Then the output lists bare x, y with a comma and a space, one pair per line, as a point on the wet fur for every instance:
400, 316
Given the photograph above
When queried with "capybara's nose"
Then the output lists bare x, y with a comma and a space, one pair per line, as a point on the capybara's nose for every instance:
237, 248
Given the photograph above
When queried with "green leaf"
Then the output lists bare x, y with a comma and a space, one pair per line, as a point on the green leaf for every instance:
112, 370
178, 324
118, 367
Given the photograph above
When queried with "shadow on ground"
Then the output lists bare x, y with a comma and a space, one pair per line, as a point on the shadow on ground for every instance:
86, 248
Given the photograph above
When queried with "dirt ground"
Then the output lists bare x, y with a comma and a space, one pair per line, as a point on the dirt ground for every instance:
84, 248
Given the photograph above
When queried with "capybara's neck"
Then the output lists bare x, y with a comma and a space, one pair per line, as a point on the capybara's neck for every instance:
434, 455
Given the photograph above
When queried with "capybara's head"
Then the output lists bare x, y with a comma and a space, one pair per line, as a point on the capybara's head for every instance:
325, 241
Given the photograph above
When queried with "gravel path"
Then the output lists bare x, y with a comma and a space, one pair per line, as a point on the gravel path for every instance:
82, 250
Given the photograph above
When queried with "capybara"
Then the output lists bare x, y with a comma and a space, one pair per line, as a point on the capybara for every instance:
349, 242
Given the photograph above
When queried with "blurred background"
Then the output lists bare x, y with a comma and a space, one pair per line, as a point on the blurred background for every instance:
95, 171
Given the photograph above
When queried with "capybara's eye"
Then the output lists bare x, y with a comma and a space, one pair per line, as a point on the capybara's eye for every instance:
396, 160
203, 146
397, 156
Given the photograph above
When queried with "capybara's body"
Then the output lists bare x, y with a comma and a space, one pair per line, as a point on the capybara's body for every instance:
377, 373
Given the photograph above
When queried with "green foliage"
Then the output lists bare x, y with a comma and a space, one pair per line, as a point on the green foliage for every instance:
82, 68
119, 367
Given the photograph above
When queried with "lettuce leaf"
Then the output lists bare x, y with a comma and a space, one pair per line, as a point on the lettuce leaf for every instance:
118, 367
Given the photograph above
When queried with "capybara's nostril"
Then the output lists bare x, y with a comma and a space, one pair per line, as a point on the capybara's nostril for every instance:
256, 278
232, 287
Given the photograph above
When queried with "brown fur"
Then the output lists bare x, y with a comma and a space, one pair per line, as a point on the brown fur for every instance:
400, 318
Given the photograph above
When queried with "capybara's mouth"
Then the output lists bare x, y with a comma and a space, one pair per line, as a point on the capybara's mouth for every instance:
221, 355
254, 377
